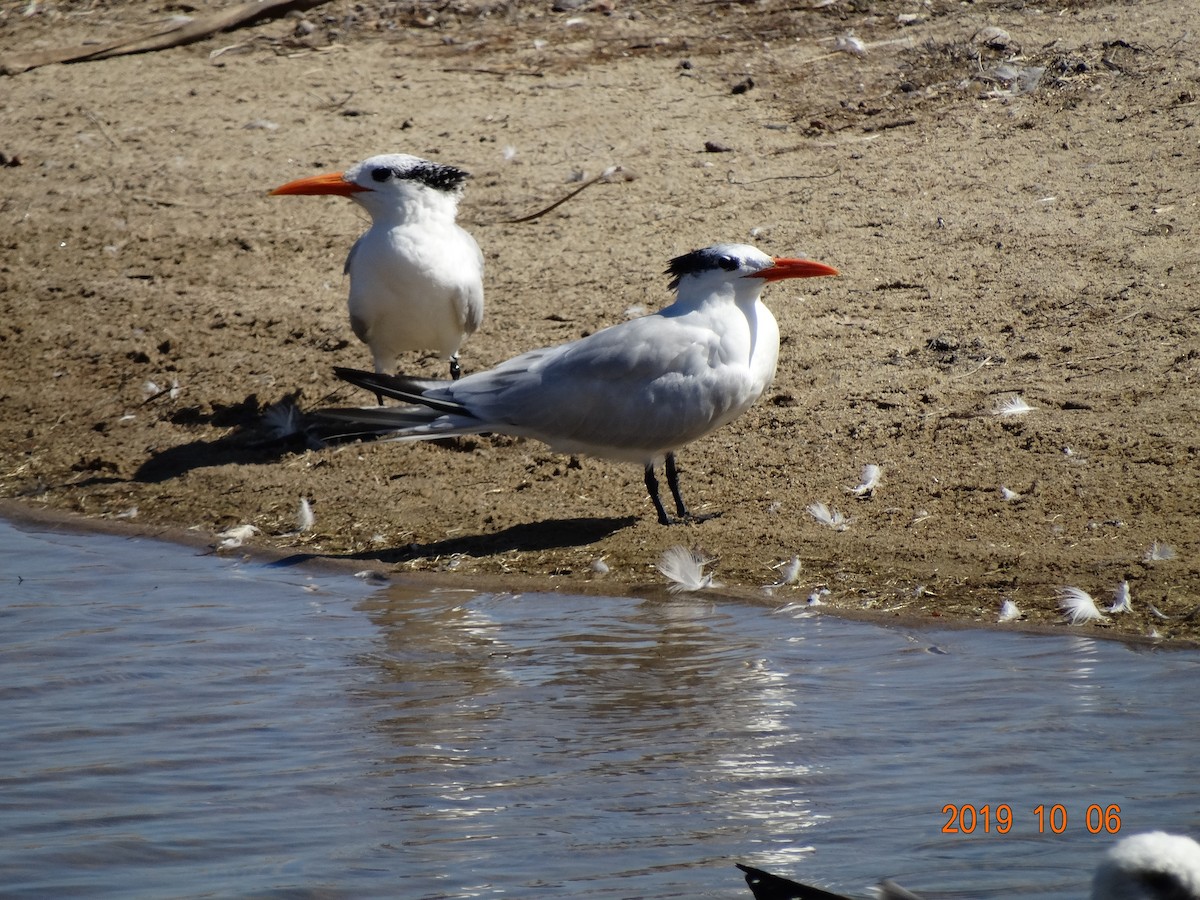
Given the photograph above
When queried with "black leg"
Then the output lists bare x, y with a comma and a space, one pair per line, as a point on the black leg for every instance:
652, 487
673, 484
379, 370
455, 368
680, 507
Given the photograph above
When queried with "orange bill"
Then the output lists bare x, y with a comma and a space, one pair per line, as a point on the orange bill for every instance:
330, 183
795, 268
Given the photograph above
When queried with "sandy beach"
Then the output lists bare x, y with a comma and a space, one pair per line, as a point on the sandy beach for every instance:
1009, 193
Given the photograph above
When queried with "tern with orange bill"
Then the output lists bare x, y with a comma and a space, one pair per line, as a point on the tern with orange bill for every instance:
416, 277
634, 392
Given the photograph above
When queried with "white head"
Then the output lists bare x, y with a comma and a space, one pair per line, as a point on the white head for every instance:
1153, 866
389, 184
741, 266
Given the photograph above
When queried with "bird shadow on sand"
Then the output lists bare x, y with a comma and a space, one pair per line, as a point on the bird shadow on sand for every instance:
254, 439
548, 535
261, 433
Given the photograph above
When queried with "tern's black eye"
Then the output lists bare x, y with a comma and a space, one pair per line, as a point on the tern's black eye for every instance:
728, 263
382, 174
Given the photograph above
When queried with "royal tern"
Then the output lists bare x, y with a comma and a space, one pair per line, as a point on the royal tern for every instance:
416, 277
1150, 866
633, 392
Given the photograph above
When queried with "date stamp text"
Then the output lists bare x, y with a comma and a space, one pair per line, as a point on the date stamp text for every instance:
969, 818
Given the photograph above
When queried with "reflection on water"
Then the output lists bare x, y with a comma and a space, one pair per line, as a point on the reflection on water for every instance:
174, 725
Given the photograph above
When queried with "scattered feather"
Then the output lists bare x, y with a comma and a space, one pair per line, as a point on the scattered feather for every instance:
304, 516
130, 513
849, 43
281, 420
236, 536
1158, 613
371, 576
152, 391
814, 599
826, 516
509, 153
1008, 612
789, 572
1078, 606
684, 568
1121, 599
868, 481
1009, 495
599, 566
1159, 552
1013, 406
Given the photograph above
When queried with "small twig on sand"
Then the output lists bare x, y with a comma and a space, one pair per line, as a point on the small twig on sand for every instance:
95, 120
173, 35
607, 175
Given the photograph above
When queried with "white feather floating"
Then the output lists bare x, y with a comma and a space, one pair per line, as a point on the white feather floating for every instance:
1009, 496
850, 43
281, 420
1008, 612
826, 516
1078, 606
304, 516
1159, 552
152, 391
232, 538
789, 572
1121, 599
1012, 406
684, 568
868, 481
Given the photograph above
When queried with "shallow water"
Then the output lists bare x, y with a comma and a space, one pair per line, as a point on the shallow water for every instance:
180, 725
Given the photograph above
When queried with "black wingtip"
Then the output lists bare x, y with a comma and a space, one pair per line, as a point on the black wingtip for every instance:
379, 382
766, 886
400, 387
354, 376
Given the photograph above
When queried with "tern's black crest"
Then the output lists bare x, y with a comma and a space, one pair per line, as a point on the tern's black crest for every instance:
698, 261
434, 175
